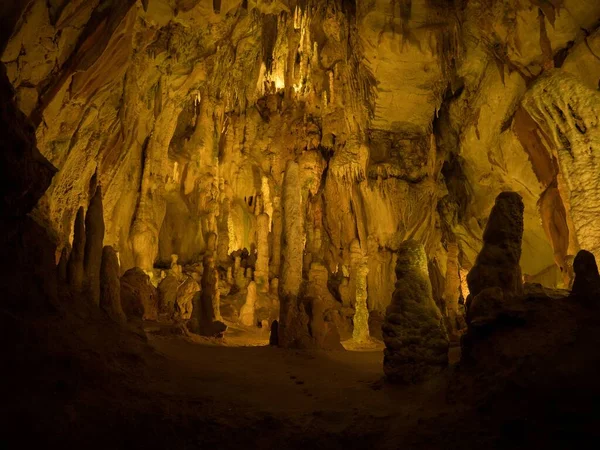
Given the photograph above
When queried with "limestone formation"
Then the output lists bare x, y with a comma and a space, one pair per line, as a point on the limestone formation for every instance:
361, 316
292, 327
261, 274
61, 268
167, 295
413, 331
587, 279
94, 238
452, 291
497, 265
139, 298
75, 271
185, 298
274, 333
205, 319
110, 286
211, 244
247, 316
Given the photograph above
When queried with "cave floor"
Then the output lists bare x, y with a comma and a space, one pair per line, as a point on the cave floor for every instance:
82, 383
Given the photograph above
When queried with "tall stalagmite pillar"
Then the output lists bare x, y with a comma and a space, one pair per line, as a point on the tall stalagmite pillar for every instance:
110, 286
413, 331
94, 239
496, 275
75, 273
360, 333
276, 239
292, 242
261, 274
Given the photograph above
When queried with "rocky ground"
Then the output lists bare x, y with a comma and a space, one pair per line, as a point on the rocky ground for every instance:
80, 381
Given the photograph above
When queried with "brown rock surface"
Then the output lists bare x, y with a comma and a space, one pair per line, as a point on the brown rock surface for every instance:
110, 286
139, 298
413, 330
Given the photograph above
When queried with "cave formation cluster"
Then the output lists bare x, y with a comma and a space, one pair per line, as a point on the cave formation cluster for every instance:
268, 160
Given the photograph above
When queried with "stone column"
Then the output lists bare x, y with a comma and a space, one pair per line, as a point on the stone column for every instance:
110, 286
247, 312
413, 331
94, 239
75, 272
292, 243
261, 274
360, 333
276, 239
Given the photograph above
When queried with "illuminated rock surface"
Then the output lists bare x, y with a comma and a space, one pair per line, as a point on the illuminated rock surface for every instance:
295, 146
414, 333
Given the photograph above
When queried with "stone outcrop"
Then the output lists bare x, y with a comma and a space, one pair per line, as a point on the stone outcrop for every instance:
414, 333
185, 298
496, 276
110, 286
139, 298
167, 295
587, 279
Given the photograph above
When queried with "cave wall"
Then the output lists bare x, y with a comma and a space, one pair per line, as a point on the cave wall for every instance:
406, 119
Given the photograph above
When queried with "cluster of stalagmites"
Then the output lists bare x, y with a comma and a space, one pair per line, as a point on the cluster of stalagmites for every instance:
499, 303
92, 272
414, 333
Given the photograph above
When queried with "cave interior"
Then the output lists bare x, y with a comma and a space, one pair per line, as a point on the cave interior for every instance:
293, 223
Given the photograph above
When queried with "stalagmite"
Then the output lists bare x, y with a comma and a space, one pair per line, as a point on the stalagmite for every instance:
204, 320
110, 286
496, 274
276, 238
62, 267
247, 316
75, 272
413, 330
361, 316
261, 274
452, 290
587, 279
291, 327
94, 238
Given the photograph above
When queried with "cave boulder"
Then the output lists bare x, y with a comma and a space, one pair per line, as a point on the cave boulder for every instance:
139, 298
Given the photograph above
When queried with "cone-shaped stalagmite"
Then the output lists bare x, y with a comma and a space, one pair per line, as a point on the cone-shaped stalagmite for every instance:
247, 313
110, 285
496, 276
587, 279
292, 243
413, 330
75, 272
94, 238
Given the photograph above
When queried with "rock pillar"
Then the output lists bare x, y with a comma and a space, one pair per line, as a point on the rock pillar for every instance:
261, 274
413, 331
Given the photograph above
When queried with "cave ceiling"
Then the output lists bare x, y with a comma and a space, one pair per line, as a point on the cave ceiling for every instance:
406, 119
